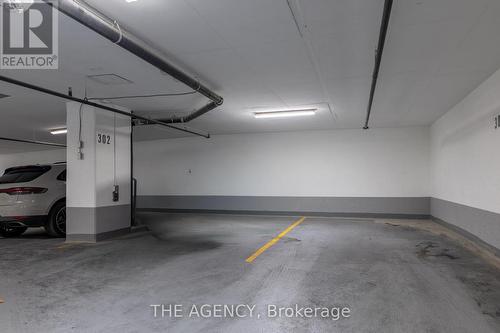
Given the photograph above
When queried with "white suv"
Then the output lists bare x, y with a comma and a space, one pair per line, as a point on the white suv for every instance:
33, 196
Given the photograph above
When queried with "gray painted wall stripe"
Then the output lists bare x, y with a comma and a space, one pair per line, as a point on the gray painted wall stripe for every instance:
473, 238
476, 224
330, 205
286, 213
94, 221
97, 237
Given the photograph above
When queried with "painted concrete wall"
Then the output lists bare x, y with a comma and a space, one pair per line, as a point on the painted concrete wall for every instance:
465, 163
36, 157
94, 175
106, 161
337, 163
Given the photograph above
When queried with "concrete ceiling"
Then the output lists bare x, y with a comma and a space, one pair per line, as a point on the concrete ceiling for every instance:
257, 56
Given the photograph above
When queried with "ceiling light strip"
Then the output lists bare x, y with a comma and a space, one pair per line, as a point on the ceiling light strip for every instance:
59, 131
285, 114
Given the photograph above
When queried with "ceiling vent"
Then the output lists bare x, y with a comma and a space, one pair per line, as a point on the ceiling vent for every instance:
4, 96
109, 79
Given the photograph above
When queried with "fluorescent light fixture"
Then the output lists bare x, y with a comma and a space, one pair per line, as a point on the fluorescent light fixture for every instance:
130, 1
59, 131
284, 114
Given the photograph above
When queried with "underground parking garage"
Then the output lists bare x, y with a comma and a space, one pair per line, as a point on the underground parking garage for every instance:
250, 166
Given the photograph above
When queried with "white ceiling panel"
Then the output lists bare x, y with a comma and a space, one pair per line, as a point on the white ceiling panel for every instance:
417, 12
296, 93
283, 61
173, 25
258, 57
247, 24
480, 42
349, 98
340, 58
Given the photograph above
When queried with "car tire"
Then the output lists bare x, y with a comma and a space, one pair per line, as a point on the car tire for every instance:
8, 232
56, 223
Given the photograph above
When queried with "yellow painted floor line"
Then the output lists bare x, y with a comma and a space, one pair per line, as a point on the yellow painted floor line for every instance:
274, 240
67, 245
64, 246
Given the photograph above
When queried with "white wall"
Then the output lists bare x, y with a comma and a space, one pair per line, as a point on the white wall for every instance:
465, 164
343, 163
465, 148
37, 157
91, 180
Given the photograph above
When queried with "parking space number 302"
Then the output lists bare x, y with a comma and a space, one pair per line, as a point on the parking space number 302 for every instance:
103, 139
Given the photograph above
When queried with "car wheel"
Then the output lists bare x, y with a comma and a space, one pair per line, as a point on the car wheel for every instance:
6, 231
56, 223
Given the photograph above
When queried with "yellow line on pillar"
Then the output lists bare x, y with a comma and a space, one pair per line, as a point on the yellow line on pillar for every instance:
274, 240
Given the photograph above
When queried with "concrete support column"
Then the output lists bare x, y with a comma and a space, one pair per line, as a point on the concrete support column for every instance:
96, 170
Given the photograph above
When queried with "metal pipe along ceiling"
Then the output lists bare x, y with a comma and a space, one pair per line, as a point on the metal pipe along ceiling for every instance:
109, 29
378, 57
43, 143
97, 105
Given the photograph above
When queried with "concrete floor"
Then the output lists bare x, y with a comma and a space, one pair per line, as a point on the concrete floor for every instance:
393, 278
